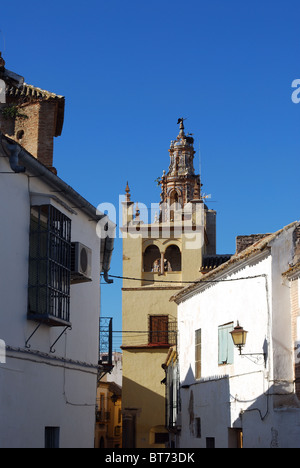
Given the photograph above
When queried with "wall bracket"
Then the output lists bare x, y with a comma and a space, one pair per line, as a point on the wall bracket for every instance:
64, 330
28, 346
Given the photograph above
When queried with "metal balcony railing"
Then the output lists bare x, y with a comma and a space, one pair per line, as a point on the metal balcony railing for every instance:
105, 346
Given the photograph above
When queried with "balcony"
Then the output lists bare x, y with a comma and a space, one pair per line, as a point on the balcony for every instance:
102, 417
105, 347
161, 333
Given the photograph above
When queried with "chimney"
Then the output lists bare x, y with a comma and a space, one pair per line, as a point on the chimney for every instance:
243, 242
30, 116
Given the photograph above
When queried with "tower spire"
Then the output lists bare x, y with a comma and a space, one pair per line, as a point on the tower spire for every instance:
127, 190
181, 185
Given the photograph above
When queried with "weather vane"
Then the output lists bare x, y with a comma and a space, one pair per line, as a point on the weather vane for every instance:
180, 121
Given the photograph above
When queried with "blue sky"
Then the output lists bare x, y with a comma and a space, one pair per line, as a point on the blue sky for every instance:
129, 69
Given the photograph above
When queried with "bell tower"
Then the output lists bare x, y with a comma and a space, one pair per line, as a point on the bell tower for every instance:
159, 258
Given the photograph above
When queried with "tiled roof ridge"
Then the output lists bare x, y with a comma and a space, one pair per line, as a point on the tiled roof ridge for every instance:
31, 92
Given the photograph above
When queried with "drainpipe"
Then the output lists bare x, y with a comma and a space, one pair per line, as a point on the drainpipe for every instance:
108, 250
13, 151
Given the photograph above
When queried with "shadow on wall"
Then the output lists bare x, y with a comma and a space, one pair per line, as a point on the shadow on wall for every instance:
143, 417
212, 417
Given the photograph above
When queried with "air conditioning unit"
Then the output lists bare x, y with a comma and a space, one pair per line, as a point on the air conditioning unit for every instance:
81, 263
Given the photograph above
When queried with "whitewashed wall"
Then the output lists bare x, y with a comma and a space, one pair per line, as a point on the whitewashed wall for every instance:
36, 391
241, 395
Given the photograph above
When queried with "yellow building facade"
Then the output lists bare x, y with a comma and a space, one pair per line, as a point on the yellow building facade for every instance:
158, 259
108, 429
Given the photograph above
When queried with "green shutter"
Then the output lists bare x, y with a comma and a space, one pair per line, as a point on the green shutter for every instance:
226, 348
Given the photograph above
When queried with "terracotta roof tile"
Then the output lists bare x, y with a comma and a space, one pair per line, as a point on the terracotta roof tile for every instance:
29, 92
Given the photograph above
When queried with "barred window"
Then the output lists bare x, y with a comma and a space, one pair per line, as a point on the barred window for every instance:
49, 266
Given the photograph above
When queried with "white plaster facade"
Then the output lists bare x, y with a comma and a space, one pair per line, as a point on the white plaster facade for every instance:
250, 397
40, 389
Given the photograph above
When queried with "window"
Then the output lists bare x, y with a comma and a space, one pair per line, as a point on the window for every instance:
173, 258
162, 330
198, 428
226, 346
210, 442
175, 204
49, 266
158, 329
161, 438
172, 394
198, 354
152, 259
52, 437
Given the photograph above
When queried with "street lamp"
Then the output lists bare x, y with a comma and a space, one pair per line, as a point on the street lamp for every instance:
239, 337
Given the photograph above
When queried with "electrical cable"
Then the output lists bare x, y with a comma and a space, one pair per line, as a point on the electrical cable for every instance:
200, 281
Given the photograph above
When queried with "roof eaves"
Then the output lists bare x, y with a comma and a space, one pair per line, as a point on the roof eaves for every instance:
292, 272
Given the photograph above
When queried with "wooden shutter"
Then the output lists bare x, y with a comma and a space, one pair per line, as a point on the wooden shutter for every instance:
159, 329
198, 354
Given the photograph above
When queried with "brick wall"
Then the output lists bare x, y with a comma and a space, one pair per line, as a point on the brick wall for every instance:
26, 130
242, 242
47, 122
35, 133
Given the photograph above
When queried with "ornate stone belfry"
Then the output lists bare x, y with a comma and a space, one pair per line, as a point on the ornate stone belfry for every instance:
180, 185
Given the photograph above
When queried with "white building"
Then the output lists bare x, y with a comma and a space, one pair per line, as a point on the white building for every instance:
233, 400
51, 261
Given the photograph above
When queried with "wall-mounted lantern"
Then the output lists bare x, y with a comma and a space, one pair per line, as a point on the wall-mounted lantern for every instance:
239, 337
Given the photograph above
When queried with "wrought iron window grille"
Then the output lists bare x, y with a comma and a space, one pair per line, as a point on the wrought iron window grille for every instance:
49, 266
